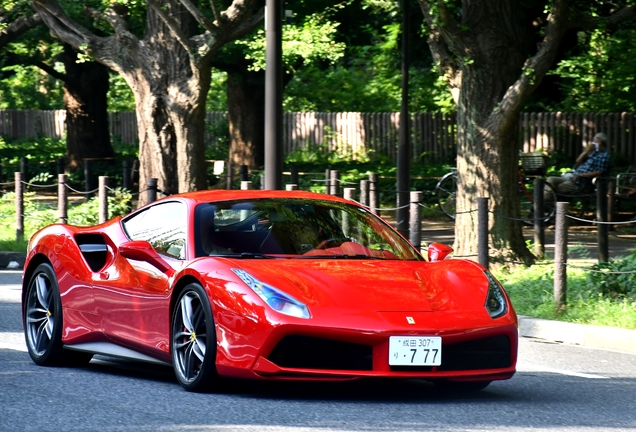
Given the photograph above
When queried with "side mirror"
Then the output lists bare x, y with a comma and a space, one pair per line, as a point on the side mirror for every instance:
438, 251
142, 251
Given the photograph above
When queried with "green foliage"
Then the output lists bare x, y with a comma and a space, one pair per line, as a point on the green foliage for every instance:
120, 96
601, 74
27, 87
219, 148
217, 95
41, 153
616, 278
311, 41
368, 77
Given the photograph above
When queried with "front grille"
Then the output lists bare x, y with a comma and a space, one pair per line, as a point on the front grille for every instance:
306, 352
486, 353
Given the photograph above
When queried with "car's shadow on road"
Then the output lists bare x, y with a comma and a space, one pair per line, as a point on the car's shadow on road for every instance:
367, 390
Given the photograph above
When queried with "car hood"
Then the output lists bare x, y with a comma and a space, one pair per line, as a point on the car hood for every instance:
375, 284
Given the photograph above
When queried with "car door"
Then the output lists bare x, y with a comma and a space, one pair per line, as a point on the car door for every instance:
132, 296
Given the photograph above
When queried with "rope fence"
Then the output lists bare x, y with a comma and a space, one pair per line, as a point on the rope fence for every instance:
369, 197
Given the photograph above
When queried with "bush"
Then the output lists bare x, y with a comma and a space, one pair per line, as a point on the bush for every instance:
616, 278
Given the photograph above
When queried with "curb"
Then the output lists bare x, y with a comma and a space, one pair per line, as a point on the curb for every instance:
609, 338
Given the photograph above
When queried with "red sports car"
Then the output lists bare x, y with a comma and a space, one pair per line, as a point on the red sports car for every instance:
266, 285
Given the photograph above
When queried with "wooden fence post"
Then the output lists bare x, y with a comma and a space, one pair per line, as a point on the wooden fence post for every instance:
152, 190
243, 173
364, 192
415, 220
374, 194
561, 256
601, 217
62, 199
103, 199
482, 231
334, 182
348, 194
539, 225
294, 175
19, 207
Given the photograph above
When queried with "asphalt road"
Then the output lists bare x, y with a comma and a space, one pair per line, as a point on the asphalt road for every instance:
557, 388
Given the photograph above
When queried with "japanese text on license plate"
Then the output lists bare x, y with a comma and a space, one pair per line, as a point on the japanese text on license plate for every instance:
415, 351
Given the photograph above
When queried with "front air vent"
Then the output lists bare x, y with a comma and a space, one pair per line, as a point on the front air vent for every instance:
485, 353
306, 352
94, 250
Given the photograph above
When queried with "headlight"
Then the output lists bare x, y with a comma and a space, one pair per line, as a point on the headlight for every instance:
275, 298
496, 304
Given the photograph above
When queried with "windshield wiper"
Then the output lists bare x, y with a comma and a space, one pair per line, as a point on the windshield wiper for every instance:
243, 255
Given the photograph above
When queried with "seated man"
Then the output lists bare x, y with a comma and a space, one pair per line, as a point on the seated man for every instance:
592, 163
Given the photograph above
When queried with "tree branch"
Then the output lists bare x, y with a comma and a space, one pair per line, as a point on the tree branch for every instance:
443, 57
111, 17
236, 21
18, 27
201, 19
215, 10
447, 26
49, 70
173, 27
248, 26
61, 26
587, 22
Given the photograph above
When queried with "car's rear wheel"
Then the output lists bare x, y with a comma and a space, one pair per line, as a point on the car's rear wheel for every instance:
193, 340
43, 321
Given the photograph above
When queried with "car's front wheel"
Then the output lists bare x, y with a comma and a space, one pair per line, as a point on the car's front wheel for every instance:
193, 340
43, 321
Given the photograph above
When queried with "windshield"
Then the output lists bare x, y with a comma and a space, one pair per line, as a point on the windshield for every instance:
296, 228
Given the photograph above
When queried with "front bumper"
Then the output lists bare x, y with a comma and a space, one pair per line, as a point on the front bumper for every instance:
305, 353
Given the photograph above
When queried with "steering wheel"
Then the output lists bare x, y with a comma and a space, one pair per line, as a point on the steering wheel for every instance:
332, 242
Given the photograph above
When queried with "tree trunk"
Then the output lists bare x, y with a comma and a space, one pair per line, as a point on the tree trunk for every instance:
85, 98
487, 145
170, 107
246, 115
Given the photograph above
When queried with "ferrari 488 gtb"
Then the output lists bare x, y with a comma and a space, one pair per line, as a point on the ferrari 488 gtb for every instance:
265, 285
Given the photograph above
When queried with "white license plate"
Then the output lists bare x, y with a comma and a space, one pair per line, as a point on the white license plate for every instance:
415, 350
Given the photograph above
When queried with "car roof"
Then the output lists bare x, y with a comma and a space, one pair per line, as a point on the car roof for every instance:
229, 195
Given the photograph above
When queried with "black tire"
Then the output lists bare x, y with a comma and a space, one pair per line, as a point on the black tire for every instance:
461, 386
526, 202
446, 191
43, 322
193, 340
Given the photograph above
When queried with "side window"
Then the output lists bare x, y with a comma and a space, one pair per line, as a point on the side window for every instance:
163, 226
